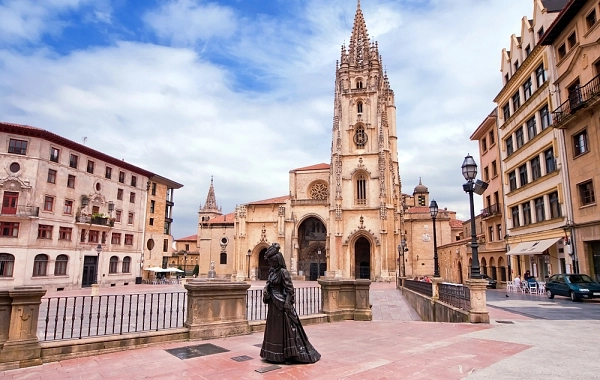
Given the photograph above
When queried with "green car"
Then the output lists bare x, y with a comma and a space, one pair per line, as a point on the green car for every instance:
575, 286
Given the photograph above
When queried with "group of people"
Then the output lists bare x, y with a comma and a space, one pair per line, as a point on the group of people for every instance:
422, 279
527, 277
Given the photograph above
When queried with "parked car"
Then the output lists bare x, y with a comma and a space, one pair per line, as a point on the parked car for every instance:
575, 286
491, 282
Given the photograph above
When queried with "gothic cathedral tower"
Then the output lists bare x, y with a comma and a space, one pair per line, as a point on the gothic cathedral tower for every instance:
365, 189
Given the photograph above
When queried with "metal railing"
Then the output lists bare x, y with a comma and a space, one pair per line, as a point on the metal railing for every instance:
456, 295
577, 99
308, 301
495, 209
96, 220
420, 287
20, 211
86, 316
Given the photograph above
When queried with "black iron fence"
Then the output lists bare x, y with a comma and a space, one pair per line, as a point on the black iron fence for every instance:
308, 301
495, 209
87, 316
456, 295
420, 287
578, 98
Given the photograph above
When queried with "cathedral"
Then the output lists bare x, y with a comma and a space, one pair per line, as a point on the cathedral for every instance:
343, 219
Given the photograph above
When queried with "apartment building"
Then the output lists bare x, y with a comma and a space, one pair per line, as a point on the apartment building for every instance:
572, 39
535, 202
71, 216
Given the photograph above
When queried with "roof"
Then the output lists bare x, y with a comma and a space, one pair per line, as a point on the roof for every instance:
188, 238
455, 223
562, 20
490, 120
418, 209
271, 200
227, 218
314, 167
557, 5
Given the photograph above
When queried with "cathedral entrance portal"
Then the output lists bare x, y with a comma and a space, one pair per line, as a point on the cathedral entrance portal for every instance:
312, 257
263, 265
362, 258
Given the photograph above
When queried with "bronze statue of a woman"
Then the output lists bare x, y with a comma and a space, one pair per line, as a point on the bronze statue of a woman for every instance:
285, 339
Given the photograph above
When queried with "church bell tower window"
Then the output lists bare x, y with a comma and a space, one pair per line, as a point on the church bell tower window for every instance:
361, 189
360, 137
359, 107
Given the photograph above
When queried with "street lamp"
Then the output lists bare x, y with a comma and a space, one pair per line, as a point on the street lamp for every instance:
184, 263
319, 264
98, 249
249, 254
433, 210
401, 250
469, 171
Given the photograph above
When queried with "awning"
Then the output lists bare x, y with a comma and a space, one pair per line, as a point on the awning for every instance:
532, 247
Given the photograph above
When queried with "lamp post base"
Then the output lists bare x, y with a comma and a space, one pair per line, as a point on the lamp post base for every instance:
95, 290
478, 312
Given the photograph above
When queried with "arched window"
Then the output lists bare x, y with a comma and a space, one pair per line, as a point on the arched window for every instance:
361, 189
223, 258
40, 264
359, 107
60, 265
7, 263
113, 264
126, 264
360, 136
359, 83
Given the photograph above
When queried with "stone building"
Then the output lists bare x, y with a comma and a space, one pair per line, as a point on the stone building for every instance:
69, 213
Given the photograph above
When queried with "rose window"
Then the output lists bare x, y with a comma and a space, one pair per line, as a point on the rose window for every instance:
318, 191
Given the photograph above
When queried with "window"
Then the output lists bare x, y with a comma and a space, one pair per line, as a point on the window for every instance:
486, 174
122, 177
580, 143
586, 193
491, 233
133, 181
361, 189
120, 194
519, 137
527, 50
54, 153
526, 213
545, 116
483, 144
360, 137
113, 264
130, 218
9, 229
40, 265
540, 32
550, 163
506, 111
516, 101
64, 233
554, 205
17, 146
153, 188
128, 239
499, 228
48, 203
523, 175
572, 40
540, 212
14, 167
152, 205
492, 138
540, 75
536, 168
104, 235
165, 245
509, 146
512, 180
516, 65
531, 128
115, 238
73, 161
562, 51
108, 173
68, 208
94, 236
590, 19
126, 265
151, 221
223, 258
90, 167
7, 263
359, 107
167, 228
71, 181
51, 176
506, 78
527, 89
118, 216
60, 265
515, 216
132, 197
82, 238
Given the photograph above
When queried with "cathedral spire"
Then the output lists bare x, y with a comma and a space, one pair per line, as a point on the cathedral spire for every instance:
211, 201
359, 48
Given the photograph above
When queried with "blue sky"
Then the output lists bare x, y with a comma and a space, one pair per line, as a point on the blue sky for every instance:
243, 90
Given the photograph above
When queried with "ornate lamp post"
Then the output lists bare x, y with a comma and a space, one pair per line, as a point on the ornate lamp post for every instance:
318, 264
248, 255
433, 210
98, 250
469, 171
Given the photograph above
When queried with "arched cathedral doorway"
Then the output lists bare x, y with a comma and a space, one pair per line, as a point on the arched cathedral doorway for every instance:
263, 265
362, 258
312, 258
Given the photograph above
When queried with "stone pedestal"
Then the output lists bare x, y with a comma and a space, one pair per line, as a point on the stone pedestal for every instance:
345, 299
362, 310
478, 312
212, 274
22, 348
435, 290
95, 290
5, 309
216, 308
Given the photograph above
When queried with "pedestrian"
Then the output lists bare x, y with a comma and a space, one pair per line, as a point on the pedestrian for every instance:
517, 281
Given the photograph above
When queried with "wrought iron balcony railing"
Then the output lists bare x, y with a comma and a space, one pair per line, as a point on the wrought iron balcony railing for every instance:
495, 209
578, 98
96, 220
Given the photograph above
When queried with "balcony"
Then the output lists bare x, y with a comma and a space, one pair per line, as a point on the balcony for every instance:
493, 210
581, 97
95, 220
20, 211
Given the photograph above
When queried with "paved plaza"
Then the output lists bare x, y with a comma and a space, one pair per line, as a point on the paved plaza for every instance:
393, 346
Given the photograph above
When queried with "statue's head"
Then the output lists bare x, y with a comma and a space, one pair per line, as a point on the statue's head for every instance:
273, 255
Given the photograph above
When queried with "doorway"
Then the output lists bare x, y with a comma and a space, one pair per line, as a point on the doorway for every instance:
362, 258
9, 203
263, 265
90, 265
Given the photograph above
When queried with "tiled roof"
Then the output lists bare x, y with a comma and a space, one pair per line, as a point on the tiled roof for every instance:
271, 200
417, 210
313, 167
188, 238
455, 223
227, 218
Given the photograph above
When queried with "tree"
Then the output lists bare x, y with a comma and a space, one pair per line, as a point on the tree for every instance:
196, 270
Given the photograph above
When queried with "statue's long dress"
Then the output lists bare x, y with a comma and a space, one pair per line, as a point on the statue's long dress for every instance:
285, 339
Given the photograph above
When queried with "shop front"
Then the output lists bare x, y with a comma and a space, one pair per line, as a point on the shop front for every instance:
541, 258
